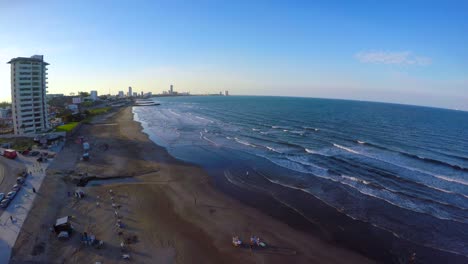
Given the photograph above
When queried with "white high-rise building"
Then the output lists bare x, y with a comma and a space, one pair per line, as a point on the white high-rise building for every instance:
28, 95
93, 95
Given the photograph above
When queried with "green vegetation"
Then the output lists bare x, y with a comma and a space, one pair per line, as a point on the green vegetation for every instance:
83, 94
67, 127
5, 104
98, 111
87, 104
20, 143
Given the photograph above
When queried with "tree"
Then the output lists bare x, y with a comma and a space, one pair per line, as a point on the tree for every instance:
83, 94
5, 104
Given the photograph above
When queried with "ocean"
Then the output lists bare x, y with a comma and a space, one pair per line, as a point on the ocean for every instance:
385, 180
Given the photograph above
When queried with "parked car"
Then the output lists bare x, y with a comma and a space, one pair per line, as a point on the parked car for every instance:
11, 195
4, 203
16, 187
2, 195
20, 180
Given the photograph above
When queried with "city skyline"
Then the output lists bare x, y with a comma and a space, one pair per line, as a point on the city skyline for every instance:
409, 53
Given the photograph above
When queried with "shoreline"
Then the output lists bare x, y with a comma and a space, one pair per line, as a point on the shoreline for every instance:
174, 208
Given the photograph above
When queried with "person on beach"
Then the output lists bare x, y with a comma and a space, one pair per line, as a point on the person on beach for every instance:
34, 190
11, 218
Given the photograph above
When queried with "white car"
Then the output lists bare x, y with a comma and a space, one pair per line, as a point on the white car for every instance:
10, 195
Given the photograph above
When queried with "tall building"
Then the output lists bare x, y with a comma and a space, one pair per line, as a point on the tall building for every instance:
226, 93
93, 95
28, 94
129, 94
171, 90
121, 94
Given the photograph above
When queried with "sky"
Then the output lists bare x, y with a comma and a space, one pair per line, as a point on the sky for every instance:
410, 52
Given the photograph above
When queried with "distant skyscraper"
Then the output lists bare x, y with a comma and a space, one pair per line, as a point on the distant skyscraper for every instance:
226, 93
129, 91
28, 94
171, 90
121, 94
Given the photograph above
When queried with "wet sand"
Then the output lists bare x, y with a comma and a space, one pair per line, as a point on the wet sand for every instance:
170, 207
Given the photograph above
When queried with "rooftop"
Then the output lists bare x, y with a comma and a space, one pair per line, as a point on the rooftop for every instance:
37, 58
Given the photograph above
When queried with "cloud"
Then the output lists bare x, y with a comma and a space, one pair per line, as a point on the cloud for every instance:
397, 58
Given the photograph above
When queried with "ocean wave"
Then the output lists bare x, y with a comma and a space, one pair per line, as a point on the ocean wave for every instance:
273, 149
414, 156
244, 143
355, 179
448, 179
310, 128
434, 161
301, 160
301, 133
460, 181
357, 218
346, 149
310, 151
174, 113
360, 142
374, 190
209, 140
255, 129
202, 118
405, 181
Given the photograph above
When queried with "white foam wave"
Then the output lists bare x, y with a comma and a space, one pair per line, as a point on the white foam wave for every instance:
346, 149
310, 151
202, 118
355, 179
255, 129
273, 149
311, 128
174, 113
361, 142
211, 141
460, 181
244, 142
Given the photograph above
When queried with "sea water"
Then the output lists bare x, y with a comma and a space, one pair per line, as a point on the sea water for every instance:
401, 169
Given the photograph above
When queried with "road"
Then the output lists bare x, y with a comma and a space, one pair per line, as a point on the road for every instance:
21, 205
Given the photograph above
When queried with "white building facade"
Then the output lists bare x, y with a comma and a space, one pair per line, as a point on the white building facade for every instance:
93, 95
28, 95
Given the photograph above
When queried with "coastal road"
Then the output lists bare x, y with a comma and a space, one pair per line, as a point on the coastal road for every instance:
20, 206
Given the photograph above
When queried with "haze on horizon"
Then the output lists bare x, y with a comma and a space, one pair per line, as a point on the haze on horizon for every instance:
411, 52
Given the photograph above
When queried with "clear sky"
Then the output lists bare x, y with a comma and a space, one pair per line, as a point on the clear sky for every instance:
413, 52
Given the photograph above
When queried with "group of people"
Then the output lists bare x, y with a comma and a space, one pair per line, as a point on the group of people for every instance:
254, 241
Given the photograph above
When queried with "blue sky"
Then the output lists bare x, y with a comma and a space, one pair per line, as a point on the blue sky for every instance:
413, 52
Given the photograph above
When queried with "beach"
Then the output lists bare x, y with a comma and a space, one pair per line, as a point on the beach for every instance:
169, 208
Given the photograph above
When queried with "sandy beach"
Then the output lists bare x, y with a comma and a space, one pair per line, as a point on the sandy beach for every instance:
169, 209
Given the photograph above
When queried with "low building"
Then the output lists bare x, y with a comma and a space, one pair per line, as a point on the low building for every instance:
73, 108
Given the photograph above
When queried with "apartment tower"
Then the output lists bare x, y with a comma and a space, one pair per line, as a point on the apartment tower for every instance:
28, 95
